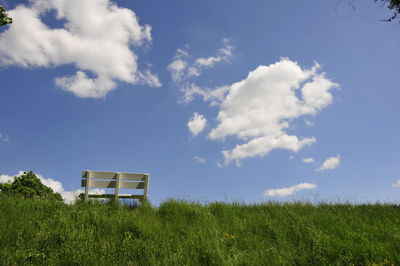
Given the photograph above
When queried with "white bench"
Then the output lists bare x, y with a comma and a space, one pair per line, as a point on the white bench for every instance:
117, 180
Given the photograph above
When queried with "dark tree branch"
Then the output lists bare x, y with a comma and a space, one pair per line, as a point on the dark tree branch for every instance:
4, 19
391, 5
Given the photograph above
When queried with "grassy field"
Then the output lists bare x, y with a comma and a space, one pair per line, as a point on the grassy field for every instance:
181, 233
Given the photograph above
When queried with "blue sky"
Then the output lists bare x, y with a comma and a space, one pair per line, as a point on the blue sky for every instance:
113, 86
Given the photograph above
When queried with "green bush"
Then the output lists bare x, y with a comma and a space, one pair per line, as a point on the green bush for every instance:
29, 186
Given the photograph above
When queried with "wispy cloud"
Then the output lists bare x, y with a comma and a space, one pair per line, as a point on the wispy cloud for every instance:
3, 138
308, 160
183, 72
308, 122
199, 159
224, 55
397, 184
97, 38
330, 163
281, 192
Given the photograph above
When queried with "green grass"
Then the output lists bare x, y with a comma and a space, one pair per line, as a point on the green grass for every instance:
183, 233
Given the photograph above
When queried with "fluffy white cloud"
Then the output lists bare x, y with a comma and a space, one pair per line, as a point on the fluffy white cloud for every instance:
397, 184
182, 73
308, 160
199, 159
69, 197
280, 192
263, 145
96, 38
196, 124
258, 110
330, 163
6, 179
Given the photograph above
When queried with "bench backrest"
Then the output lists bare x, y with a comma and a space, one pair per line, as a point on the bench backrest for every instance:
116, 180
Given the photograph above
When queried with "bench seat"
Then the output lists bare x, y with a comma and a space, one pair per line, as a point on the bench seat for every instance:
116, 180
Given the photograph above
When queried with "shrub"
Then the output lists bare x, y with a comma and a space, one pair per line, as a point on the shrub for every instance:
29, 186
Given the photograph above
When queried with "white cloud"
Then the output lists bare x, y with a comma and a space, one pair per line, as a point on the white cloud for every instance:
258, 110
149, 79
397, 184
196, 124
96, 38
215, 95
309, 123
6, 179
177, 68
224, 55
199, 159
183, 72
56, 186
3, 138
330, 163
69, 197
280, 192
263, 145
308, 160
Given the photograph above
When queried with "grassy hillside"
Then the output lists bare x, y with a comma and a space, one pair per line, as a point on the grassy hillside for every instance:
181, 233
